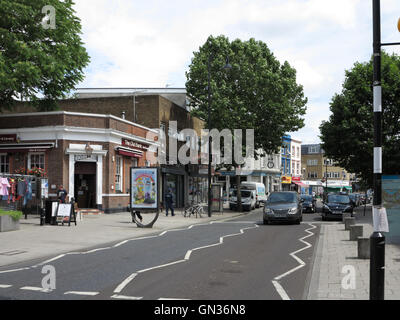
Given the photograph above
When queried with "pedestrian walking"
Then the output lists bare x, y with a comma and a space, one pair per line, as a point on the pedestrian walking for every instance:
137, 213
62, 194
169, 203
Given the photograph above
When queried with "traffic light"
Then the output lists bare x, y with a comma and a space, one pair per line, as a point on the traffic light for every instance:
398, 24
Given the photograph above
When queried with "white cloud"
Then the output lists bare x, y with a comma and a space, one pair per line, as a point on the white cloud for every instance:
150, 43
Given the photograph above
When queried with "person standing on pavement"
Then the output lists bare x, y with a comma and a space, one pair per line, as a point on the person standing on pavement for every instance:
169, 202
62, 194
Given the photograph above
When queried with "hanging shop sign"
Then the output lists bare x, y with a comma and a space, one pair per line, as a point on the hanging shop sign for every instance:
134, 144
286, 179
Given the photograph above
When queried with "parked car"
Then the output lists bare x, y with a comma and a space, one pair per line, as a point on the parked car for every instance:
248, 199
283, 206
308, 203
259, 188
335, 205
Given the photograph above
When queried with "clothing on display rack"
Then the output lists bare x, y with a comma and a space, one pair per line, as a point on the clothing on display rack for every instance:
15, 187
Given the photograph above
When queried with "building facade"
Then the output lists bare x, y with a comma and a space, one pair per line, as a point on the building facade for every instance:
321, 172
89, 154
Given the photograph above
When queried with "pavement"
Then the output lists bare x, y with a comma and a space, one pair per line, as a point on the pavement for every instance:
34, 241
336, 255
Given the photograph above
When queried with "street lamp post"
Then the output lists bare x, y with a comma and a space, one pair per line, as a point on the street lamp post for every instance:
209, 133
226, 67
377, 239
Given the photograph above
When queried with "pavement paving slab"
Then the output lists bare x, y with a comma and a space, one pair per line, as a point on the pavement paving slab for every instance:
335, 253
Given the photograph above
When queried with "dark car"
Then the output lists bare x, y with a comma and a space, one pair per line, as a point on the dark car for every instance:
335, 205
283, 206
308, 203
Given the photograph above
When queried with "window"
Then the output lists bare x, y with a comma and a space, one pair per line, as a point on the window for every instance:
162, 126
118, 173
298, 152
312, 162
312, 174
4, 163
36, 160
313, 149
332, 174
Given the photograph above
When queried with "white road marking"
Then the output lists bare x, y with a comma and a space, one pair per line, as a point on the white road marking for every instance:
5, 286
280, 290
172, 299
275, 282
116, 296
13, 270
82, 293
124, 283
40, 289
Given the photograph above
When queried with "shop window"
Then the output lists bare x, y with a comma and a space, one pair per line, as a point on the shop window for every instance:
118, 174
4, 163
36, 160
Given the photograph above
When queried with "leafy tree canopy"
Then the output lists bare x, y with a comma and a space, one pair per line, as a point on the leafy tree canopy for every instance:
258, 92
347, 137
39, 63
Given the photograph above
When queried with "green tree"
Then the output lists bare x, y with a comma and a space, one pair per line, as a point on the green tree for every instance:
257, 93
39, 63
347, 137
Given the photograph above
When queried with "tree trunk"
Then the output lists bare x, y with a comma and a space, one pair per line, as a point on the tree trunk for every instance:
239, 194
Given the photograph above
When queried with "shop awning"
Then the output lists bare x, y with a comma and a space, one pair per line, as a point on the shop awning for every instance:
300, 184
26, 147
124, 151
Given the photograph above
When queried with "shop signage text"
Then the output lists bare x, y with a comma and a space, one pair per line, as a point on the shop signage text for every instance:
134, 144
8, 138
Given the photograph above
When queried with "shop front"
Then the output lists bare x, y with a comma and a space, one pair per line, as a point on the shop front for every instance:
198, 182
91, 159
173, 179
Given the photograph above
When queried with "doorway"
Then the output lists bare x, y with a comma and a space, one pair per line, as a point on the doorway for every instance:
85, 184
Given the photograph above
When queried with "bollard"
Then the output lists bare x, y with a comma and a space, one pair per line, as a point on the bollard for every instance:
363, 249
345, 215
348, 222
42, 216
356, 231
377, 266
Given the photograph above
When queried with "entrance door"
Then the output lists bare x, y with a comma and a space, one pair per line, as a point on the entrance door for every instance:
85, 184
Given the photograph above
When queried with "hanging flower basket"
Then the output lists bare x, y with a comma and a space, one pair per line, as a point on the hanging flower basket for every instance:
38, 172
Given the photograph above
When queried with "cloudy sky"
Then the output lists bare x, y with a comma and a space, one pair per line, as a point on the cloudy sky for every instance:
138, 43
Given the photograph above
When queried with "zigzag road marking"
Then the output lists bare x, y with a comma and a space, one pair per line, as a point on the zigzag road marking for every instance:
275, 282
124, 283
114, 246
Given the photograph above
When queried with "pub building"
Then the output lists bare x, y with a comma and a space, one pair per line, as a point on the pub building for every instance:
89, 154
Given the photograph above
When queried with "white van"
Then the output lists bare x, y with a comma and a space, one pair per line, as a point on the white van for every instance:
259, 189
248, 199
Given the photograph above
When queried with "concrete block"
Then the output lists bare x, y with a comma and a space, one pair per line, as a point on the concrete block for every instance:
346, 215
8, 224
356, 231
349, 222
363, 247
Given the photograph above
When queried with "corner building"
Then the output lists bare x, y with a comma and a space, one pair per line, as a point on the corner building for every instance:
90, 154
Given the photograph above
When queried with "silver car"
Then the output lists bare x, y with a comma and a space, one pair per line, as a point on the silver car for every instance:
283, 206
